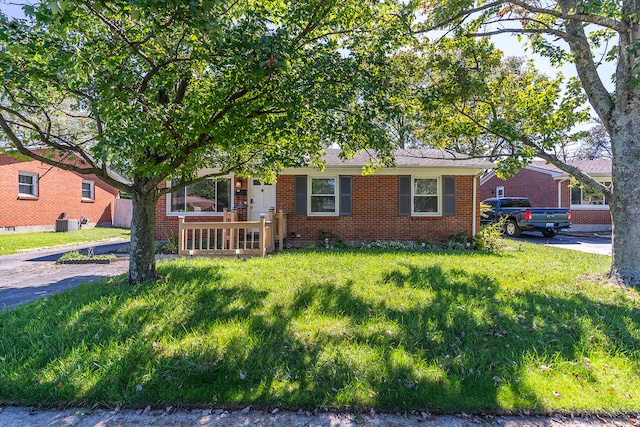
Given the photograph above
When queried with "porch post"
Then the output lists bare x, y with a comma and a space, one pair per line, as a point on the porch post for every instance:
282, 230
262, 236
272, 224
181, 238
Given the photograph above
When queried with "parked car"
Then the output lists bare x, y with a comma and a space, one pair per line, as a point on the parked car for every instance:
519, 216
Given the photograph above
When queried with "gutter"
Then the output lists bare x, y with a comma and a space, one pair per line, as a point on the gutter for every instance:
474, 226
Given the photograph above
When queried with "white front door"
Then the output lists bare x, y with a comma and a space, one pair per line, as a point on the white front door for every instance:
262, 197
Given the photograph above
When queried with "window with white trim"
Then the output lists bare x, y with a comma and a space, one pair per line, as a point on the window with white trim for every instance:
27, 184
425, 196
323, 196
588, 198
87, 190
207, 197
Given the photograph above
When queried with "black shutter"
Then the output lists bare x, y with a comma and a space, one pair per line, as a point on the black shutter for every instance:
345, 195
300, 194
449, 195
404, 195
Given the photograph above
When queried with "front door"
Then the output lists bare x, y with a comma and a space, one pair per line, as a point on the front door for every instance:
262, 197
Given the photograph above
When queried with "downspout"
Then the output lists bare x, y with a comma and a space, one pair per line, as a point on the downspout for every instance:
560, 192
475, 203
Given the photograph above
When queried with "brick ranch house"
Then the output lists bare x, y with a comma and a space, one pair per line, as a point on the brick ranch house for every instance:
428, 194
547, 186
33, 195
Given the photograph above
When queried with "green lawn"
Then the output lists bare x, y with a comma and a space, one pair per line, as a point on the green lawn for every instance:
532, 329
11, 243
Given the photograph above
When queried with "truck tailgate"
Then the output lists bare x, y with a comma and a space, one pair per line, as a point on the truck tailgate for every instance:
550, 216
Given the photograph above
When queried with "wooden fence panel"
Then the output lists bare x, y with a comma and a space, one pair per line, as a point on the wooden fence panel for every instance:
122, 213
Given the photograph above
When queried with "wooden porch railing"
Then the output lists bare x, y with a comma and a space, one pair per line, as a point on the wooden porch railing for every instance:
231, 237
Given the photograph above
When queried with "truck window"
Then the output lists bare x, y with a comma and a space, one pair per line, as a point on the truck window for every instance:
516, 203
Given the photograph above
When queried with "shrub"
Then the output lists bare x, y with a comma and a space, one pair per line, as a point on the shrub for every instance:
426, 243
77, 256
170, 243
384, 244
489, 238
458, 241
331, 240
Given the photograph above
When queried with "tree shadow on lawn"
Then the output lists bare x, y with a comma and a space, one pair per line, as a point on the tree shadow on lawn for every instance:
206, 340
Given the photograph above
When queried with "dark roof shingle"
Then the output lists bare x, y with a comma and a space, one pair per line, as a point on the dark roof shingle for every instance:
590, 167
412, 157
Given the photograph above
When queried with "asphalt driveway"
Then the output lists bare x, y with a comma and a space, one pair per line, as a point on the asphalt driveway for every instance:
34, 274
585, 243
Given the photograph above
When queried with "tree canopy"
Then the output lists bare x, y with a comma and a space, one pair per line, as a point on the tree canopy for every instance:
585, 33
159, 89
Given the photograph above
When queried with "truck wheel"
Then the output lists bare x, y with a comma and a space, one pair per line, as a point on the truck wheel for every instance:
549, 233
511, 229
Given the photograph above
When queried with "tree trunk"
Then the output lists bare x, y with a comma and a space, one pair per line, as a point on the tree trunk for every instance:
625, 147
625, 202
142, 261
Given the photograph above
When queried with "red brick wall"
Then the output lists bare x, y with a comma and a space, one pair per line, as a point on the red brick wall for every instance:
375, 213
540, 188
590, 217
58, 191
565, 194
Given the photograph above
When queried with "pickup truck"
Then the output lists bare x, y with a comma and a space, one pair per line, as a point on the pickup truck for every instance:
520, 216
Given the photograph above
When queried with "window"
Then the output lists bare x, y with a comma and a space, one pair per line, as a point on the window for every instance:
323, 196
27, 184
87, 190
589, 198
516, 203
500, 191
202, 198
426, 196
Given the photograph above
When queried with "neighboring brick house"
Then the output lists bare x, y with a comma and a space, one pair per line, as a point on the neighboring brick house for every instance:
428, 194
33, 195
547, 186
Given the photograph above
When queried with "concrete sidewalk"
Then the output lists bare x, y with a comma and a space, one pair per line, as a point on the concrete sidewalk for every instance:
34, 274
19, 416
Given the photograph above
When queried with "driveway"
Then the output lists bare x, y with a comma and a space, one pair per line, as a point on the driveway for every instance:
587, 243
34, 274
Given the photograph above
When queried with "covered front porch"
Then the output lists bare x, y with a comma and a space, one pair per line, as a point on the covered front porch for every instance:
231, 237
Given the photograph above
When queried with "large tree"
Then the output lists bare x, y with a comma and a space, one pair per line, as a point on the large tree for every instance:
585, 33
158, 89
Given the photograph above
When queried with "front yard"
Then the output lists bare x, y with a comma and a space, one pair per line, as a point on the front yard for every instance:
11, 243
531, 328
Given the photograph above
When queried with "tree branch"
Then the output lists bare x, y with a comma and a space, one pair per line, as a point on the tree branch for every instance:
602, 21
613, 24
116, 29
598, 95
313, 23
100, 172
571, 170
551, 31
